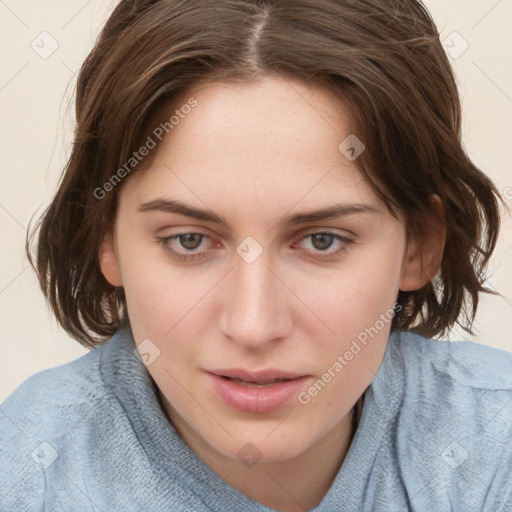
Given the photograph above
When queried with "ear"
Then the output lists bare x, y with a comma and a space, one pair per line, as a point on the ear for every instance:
424, 255
108, 261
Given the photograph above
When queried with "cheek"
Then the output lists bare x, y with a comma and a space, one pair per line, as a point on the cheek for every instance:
357, 306
355, 297
360, 320
157, 295
358, 309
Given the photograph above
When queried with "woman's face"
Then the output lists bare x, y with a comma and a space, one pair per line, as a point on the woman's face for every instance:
260, 269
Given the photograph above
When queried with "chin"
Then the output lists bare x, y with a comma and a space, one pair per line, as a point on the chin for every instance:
264, 450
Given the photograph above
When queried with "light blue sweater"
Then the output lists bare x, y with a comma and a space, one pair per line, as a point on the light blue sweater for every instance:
435, 436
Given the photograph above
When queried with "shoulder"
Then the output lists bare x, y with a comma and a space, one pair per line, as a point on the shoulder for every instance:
457, 379
60, 388
36, 417
464, 363
455, 420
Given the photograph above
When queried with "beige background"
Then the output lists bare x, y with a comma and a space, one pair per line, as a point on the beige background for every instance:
35, 93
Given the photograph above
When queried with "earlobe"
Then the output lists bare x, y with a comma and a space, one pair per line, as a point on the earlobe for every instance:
108, 261
424, 256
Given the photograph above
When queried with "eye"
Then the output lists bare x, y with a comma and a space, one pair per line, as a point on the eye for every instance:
319, 244
184, 246
195, 246
190, 241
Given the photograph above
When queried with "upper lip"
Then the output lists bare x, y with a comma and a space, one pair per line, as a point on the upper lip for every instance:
256, 376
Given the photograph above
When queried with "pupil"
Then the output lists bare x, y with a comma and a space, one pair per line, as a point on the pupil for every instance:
325, 241
191, 240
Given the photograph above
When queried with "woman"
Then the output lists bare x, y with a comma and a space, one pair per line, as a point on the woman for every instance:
266, 216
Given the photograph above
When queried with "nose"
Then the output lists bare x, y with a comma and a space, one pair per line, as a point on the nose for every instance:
256, 306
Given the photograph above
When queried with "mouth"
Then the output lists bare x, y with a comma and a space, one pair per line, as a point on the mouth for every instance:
254, 384
257, 377
256, 392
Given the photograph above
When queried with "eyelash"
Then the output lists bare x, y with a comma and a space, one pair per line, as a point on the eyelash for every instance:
164, 241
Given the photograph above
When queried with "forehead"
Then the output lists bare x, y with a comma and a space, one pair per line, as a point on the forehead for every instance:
272, 114
255, 143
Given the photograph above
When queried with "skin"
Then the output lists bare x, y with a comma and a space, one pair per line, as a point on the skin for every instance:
254, 154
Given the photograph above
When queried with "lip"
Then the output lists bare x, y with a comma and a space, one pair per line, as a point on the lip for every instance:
261, 398
259, 376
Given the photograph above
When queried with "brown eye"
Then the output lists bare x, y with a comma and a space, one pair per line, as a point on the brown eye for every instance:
191, 241
323, 245
189, 247
322, 241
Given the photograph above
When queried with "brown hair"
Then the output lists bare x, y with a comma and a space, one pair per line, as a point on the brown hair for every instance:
384, 59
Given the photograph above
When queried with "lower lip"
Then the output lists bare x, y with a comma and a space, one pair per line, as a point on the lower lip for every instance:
262, 399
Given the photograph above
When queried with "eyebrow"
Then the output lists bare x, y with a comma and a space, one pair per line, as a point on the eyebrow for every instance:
330, 212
